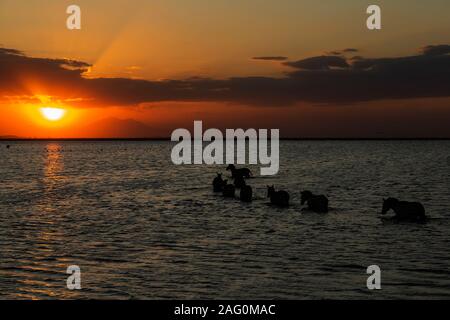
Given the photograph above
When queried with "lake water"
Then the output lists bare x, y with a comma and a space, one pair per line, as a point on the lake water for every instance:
140, 227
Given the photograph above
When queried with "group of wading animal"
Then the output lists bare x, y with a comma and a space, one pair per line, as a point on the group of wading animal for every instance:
315, 203
229, 189
404, 211
278, 198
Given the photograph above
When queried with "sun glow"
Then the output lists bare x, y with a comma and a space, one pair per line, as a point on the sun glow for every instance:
53, 114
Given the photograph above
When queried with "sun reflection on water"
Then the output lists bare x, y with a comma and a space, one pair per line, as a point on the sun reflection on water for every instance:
53, 163
47, 233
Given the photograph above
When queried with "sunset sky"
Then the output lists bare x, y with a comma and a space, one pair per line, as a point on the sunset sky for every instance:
142, 68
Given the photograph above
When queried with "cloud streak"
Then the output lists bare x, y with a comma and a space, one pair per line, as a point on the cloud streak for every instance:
319, 63
271, 58
436, 50
321, 79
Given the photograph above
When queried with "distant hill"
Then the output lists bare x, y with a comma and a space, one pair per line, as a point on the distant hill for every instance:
117, 128
9, 137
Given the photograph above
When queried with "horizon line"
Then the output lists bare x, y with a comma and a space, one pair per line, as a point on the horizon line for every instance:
169, 139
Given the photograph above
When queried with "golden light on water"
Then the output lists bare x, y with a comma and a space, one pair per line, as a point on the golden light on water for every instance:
52, 114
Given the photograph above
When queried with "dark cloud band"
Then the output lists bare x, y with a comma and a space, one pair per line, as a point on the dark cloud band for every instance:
323, 79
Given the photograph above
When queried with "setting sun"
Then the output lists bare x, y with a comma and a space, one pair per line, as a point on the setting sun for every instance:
53, 114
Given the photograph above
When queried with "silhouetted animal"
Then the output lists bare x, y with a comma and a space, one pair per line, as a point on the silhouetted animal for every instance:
404, 210
316, 203
229, 191
279, 198
218, 183
244, 172
239, 182
246, 193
